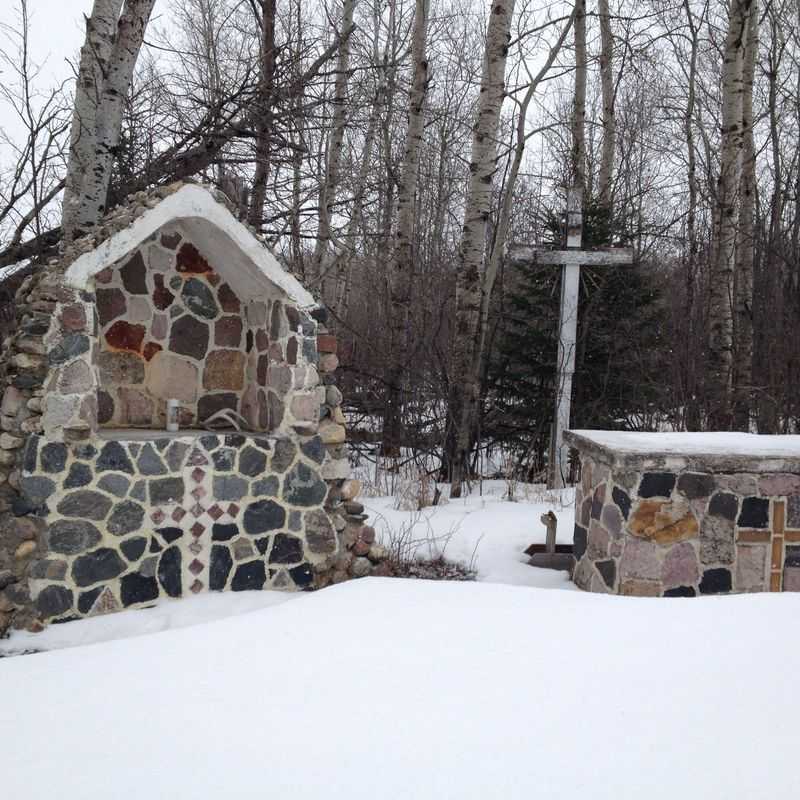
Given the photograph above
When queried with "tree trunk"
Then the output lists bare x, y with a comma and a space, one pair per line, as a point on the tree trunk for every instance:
107, 62
745, 247
605, 179
401, 266
263, 124
721, 300
464, 382
578, 126
333, 161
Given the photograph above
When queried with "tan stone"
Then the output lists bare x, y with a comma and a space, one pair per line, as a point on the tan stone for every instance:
663, 522
328, 362
24, 550
224, 370
332, 433
350, 489
639, 588
12, 401
169, 375
305, 407
9, 442
338, 417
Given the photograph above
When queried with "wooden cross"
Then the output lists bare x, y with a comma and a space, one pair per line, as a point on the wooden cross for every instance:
570, 260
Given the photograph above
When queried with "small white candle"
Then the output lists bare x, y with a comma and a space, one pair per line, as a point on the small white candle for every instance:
172, 414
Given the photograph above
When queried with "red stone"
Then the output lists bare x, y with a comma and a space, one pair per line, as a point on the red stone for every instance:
213, 278
150, 349
124, 336
196, 587
104, 276
326, 343
162, 297
190, 261
228, 332
228, 299
178, 514
195, 567
215, 512
276, 352
262, 340
233, 509
263, 364
291, 351
73, 318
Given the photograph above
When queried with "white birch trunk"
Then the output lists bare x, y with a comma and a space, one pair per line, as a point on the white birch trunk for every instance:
607, 153
578, 122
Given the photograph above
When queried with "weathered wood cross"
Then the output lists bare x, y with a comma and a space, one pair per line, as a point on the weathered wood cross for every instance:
570, 260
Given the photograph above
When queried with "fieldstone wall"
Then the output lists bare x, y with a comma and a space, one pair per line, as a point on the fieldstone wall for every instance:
172, 327
682, 533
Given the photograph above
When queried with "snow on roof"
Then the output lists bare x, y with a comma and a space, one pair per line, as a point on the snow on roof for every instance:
246, 262
723, 450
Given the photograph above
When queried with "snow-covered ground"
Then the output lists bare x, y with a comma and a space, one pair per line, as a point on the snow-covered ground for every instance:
397, 688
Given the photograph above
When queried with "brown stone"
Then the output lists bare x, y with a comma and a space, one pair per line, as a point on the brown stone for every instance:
276, 411
150, 349
639, 588
210, 404
170, 240
189, 261
291, 351
328, 362
73, 318
158, 328
110, 304
257, 314
228, 299
134, 275
262, 340
104, 276
279, 326
162, 297
663, 522
213, 278
135, 407
189, 337
753, 536
224, 370
76, 378
276, 352
262, 372
117, 368
263, 411
169, 376
105, 407
124, 336
326, 343
228, 332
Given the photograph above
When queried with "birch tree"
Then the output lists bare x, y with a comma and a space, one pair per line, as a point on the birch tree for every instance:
114, 36
464, 380
605, 177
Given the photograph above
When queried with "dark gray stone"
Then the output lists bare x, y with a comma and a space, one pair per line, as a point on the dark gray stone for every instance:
608, 571
155, 545
166, 490
224, 459
136, 588
149, 462
114, 484
302, 575
724, 505
286, 549
85, 504
199, 299
221, 532
126, 517
99, 565
657, 484
139, 491
235, 440
87, 599
134, 275
695, 485
176, 454
29, 453
169, 571
266, 487
79, 475
252, 462
249, 576
188, 336
36, 489
680, 591
85, 452
754, 513
579, 542
320, 535
622, 501
716, 581
210, 442
284, 455
229, 487
113, 458
220, 568
304, 487
133, 549
147, 569
54, 600
169, 535
54, 457
295, 521
314, 449
71, 346
310, 350
792, 558
210, 404
263, 516
72, 536
51, 568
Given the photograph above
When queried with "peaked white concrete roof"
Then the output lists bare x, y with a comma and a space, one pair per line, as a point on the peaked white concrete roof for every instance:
245, 262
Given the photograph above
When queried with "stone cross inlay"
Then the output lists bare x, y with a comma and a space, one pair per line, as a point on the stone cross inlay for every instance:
570, 260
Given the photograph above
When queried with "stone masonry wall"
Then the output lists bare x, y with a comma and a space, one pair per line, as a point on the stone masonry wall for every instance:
682, 534
172, 327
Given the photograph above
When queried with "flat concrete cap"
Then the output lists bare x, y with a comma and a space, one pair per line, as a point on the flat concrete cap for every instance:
717, 452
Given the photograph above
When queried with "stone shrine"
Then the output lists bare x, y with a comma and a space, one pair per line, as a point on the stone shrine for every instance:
101, 508
686, 514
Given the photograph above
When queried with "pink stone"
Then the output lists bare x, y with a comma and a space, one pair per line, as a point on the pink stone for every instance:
228, 299
639, 560
170, 376
135, 408
228, 332
680, 566
262, 340
611, 518
73, 318
751, 569
791, 579
779, 484
158, 329
598, 541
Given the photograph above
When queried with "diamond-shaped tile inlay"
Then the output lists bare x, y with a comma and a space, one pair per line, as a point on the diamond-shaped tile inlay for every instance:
195, 547
196, 567
196, 587
197, 529
197, 458
233, 509
178, 514
215, 512
197, 510
198, 474
199, 493
157, 516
